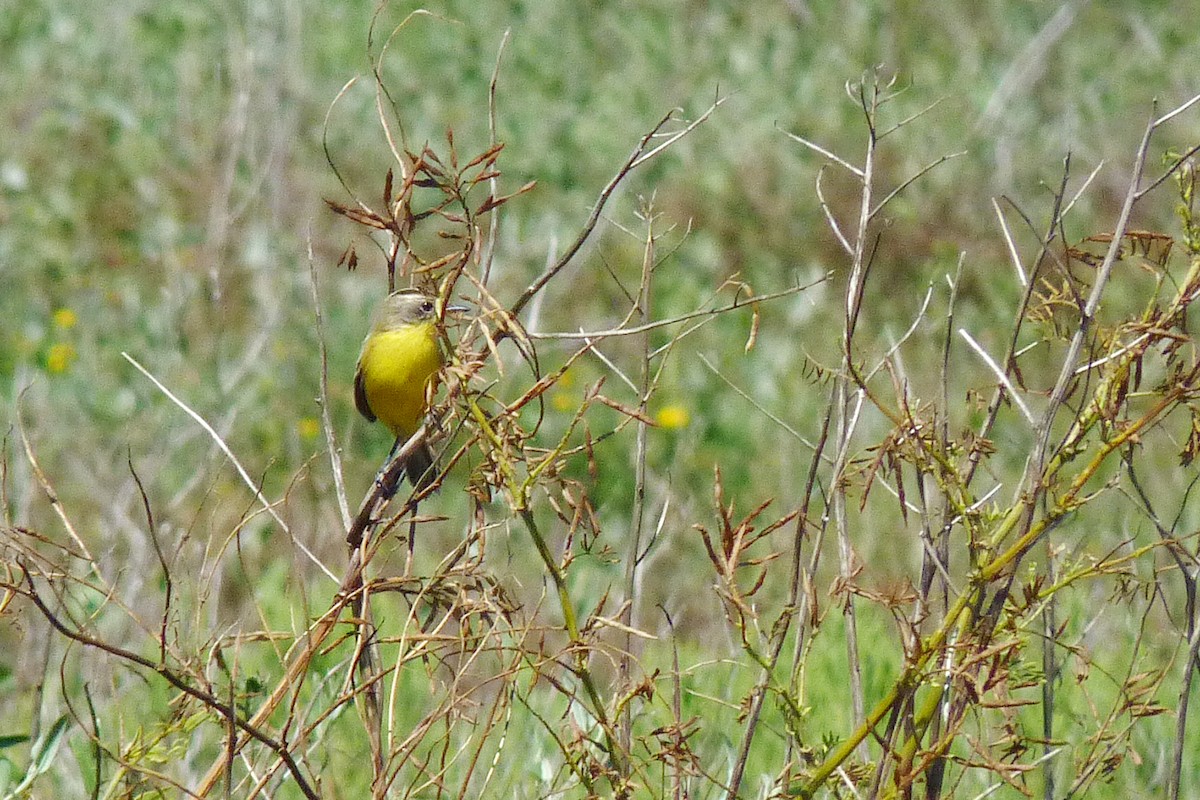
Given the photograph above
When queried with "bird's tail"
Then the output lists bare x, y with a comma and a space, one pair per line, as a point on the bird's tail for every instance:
420, 468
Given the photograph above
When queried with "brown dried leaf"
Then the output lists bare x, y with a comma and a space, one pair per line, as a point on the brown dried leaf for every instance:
493, 202
626, 410
488, 155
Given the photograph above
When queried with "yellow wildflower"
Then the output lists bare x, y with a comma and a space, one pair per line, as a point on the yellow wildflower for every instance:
308, 427
673, 417
59, 357
65, 318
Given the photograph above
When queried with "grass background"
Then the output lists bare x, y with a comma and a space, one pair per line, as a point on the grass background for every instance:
162, 171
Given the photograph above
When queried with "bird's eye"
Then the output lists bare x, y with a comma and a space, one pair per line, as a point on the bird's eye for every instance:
427, 307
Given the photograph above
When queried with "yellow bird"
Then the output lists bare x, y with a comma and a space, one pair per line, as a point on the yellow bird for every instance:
395, 369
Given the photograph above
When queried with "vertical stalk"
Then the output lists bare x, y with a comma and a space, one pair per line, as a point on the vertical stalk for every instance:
578, 646
845, 419
1049, 674
637, 516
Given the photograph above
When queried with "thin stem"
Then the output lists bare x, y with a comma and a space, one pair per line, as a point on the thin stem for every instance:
633, 553
578, 645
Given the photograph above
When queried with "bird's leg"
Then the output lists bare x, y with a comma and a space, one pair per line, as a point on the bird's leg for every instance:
387, 490
412, 536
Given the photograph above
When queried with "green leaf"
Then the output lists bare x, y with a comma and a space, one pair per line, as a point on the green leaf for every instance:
44, 749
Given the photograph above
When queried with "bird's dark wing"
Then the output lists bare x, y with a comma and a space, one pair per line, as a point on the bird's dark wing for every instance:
360, 395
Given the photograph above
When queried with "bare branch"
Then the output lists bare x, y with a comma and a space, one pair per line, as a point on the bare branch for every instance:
641, 153
826, 153
1012, 247
335, 458
1001, 376
662, 323
245, 476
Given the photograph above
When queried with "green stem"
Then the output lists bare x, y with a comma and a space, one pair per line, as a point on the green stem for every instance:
578, 646
988, 572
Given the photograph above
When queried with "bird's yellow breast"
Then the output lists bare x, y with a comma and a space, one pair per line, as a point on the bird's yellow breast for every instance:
396, 367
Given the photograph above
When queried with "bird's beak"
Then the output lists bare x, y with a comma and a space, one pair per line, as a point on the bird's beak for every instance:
457, 309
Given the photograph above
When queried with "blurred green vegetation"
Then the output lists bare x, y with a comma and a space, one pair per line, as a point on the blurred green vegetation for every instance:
163, 173
162, 169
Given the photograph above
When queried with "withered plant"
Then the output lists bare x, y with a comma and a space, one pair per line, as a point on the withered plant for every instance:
450, 674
